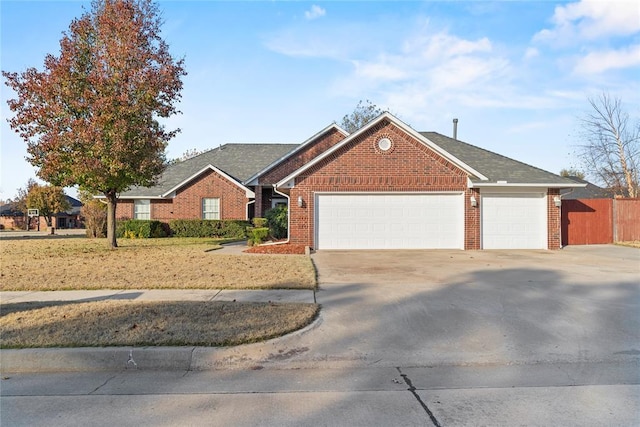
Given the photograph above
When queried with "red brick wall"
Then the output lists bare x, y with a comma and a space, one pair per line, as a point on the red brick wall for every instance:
554, 220
124, 209
361, 166
187, 203
309, 152
472, 225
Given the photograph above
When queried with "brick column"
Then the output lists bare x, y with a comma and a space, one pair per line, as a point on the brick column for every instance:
257, 211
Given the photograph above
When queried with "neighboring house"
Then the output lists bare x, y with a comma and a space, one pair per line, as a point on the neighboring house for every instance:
70, 218
11, 218
384, 186
591, 191
14, 219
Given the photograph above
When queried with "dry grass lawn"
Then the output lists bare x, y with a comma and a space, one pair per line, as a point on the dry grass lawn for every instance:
173, 263
127, 323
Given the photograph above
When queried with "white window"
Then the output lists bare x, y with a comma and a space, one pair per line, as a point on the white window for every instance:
142, 209
211, 208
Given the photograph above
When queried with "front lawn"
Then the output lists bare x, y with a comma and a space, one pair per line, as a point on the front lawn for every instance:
171, 263
130, 323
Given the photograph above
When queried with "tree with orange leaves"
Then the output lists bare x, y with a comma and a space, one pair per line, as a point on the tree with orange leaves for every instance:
91, 118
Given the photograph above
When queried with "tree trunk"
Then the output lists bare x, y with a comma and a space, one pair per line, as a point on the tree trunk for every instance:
112, 201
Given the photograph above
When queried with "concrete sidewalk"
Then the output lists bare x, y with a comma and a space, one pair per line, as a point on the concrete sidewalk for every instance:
273, 295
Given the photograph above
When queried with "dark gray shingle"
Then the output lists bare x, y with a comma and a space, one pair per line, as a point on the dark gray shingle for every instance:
240, 161
494, 166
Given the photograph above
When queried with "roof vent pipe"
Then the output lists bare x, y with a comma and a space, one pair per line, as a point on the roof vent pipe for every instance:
455, 129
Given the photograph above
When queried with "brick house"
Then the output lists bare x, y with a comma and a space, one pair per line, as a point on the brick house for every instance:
384, 186
14, 219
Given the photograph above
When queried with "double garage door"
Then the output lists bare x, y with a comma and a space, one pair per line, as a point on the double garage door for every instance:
390, 221
428, 221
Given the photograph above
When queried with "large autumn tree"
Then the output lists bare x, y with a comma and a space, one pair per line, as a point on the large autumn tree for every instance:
91, 118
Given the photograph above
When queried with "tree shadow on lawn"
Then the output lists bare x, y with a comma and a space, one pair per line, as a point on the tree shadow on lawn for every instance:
9, 235
14, 307
150, 323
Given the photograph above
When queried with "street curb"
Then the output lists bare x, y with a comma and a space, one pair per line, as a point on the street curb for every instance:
89, 359
95, 359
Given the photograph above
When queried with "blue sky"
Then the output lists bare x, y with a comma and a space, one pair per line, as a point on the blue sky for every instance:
516, 74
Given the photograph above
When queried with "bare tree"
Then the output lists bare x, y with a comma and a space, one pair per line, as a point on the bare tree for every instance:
572, 172
363, 114
610, 149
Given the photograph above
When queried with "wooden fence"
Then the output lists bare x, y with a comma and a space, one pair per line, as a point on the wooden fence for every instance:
600, 221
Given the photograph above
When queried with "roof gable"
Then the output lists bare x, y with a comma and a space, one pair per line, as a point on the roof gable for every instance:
402, 126
254, 180
249, 193
237, 162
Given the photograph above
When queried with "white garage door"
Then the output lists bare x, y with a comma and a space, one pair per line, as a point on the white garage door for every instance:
389, 221
514, 221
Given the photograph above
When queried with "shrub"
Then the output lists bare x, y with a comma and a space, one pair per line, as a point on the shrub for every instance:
229, 229
94, 215
258, 235
259, 222
141, 229
277, 221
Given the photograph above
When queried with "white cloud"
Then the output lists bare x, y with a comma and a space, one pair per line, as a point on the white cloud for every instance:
590, 20
315, 12
427, 67
381, 70
600, 61
531, 53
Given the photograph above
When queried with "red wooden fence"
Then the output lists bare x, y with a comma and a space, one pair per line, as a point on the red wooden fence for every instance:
627, 220
598, 221
587, 221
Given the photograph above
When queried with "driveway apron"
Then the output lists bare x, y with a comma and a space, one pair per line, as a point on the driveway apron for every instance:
428, 308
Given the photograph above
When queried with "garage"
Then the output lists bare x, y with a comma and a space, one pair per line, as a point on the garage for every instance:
389, 221
514, 220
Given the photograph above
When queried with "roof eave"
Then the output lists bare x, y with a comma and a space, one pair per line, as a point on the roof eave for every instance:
526, 184
100, 196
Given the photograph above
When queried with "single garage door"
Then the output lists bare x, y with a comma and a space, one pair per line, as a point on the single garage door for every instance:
514, 221
389, 221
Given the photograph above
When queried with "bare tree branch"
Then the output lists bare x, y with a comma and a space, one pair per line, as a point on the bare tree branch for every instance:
610, 145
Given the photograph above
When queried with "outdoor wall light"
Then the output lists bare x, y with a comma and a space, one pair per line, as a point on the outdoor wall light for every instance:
300, 201
557, 201
474, 202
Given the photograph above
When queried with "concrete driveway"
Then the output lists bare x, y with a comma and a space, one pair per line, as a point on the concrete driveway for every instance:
433, 308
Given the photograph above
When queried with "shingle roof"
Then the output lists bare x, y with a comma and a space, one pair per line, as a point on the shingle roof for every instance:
240, 161
9, 210
591, 191
495, 166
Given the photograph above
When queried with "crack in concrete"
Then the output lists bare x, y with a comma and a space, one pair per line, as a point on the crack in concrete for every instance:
102, 385
190, 367
412, 389
215, 295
